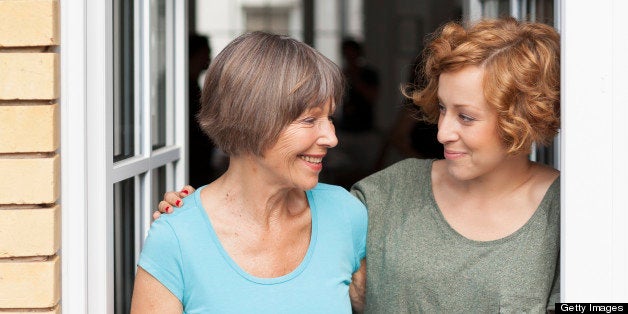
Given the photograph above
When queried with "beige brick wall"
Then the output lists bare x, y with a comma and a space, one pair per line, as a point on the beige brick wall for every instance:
53, 310
29, 179
30, 283
27, 23
28, 75
17, 134
30, 231
30, 227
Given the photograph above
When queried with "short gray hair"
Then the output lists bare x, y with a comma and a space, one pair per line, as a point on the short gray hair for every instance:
258, 84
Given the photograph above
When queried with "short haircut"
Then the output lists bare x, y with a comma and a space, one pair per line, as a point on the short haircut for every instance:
259, 84
521, 62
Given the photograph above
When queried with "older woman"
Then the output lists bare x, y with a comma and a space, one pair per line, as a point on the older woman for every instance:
265, 236
477, 231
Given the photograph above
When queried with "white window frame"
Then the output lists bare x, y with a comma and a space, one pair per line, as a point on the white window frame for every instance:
594, 185
88, 172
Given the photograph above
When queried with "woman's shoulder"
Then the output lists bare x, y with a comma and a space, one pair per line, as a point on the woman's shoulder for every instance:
338, 201
402, 171
333, 193
546, 180
190, 211
406, 177
408, 163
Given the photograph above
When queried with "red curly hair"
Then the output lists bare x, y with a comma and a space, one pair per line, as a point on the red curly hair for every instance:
521, 62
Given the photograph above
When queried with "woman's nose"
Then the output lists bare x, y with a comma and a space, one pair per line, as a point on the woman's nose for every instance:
446, 129
328, 134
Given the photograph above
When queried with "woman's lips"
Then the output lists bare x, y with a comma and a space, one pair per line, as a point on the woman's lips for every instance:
450, 154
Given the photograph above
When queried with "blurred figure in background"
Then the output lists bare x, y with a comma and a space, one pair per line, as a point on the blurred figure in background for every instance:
362, 89
356, 154
200, 146
411, 136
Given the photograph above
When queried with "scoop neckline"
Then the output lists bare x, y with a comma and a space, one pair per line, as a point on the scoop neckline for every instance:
262, 280
441, 218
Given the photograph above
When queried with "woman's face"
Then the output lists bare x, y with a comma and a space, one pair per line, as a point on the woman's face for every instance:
295, 160
467, 126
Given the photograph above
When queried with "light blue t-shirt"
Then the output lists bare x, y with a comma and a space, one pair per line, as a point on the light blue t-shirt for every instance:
183, 252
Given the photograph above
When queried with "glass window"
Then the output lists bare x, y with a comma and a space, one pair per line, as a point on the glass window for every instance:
124, 217
495, 8
159, 186
112, 69
146, 89
158, 72
541, 11
274, 19
123, 88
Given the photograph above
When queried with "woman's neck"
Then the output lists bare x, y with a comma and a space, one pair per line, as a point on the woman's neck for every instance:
510, 175
251, 194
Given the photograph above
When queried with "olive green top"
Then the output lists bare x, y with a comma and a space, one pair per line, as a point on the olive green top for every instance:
417, 263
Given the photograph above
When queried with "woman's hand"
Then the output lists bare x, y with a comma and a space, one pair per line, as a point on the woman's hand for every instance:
171, 200
357, 288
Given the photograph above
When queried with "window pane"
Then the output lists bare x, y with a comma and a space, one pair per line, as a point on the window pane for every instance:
541, 11
124, 243
495, 8
158, 185
123, 82
158, 73
274, 19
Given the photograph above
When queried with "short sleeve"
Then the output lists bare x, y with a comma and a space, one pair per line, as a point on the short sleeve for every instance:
161, 257
358, 218
360, 224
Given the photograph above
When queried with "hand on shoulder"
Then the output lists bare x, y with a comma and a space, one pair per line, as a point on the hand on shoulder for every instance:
171, 200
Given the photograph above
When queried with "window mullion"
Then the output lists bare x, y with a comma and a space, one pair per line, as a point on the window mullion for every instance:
147, 98
180, 112
74, 188
138, 74
99, 114
170, 96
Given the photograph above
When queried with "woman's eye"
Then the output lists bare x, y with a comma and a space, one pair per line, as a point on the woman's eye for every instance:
441, 108
331, 119
466, 118
309, 120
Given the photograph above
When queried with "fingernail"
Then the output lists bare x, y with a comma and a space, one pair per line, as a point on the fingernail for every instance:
167, 209
178, 203
184, 192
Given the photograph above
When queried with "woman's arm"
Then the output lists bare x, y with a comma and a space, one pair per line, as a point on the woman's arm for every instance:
150, 296
357, 288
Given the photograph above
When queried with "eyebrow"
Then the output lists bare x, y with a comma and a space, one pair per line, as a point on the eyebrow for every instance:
440, 101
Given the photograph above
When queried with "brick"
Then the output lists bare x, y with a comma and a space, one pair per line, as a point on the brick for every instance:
53, 310
29, 23
30, 284
29, 231
29, 75
29, 129
29, 180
